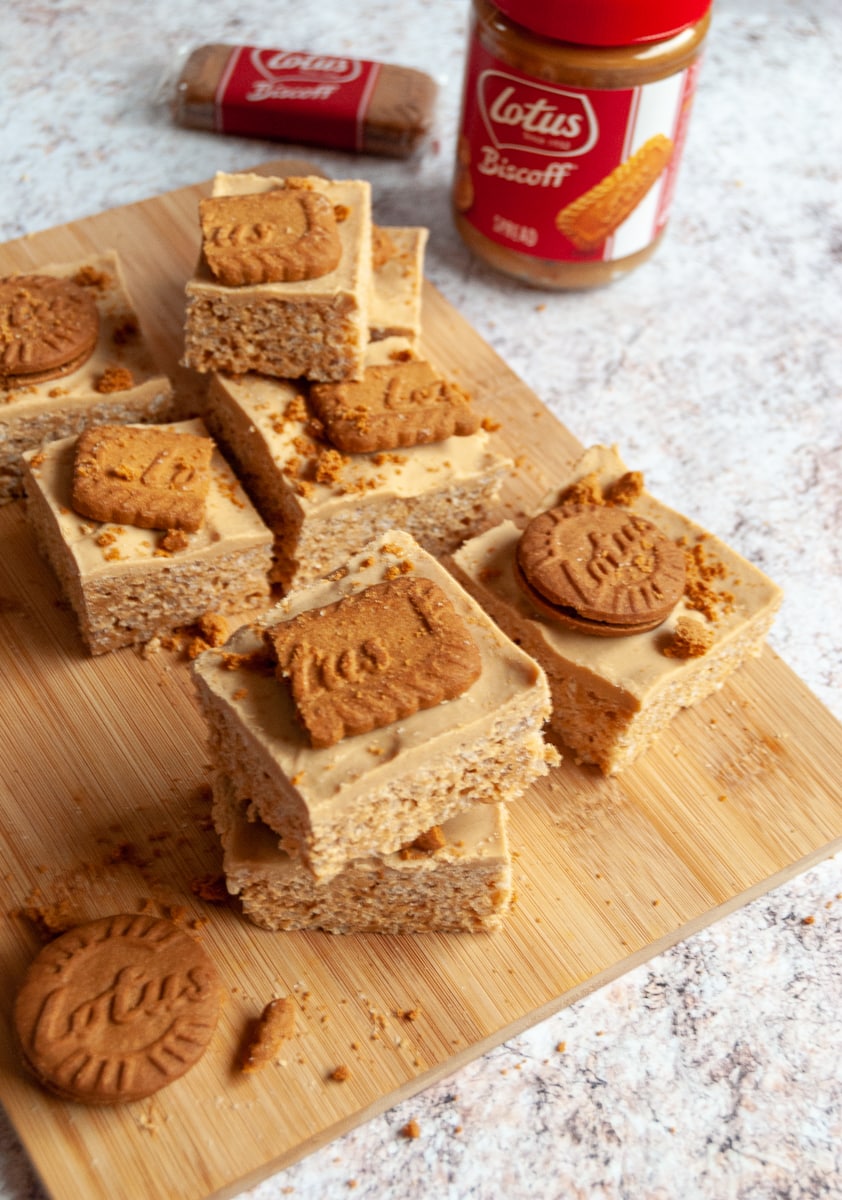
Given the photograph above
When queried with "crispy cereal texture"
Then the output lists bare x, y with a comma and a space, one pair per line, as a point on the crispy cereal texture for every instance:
150, 477
375, 657
48, 328
282, 236
600, 566
395, 404
116, 1009
592, 217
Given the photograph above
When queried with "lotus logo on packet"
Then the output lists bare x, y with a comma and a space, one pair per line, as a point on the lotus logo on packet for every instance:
295, 65
519, 115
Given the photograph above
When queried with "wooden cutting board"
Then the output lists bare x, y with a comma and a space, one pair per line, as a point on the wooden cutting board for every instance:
103, 808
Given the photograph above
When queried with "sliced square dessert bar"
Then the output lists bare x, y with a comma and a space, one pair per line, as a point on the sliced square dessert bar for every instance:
646, 614
406, 748
268, 294
395, 308
322, 502
147, 530
72, 354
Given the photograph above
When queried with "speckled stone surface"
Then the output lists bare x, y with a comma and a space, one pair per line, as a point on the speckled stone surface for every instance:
714, 1071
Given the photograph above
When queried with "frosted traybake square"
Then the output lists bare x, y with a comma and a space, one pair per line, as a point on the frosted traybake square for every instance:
372, 792
311, 328
463, 886
321, 508
123, 589
612, 696
36, 413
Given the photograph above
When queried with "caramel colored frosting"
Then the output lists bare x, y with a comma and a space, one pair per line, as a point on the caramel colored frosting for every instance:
329, 777
395, 304
276, 413
100, 549
732, 592
120, 361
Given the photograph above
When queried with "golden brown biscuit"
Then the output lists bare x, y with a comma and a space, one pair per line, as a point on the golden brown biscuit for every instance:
282, 236
116, 1009
595, 566
150, 477
48, 328
402, 403
374, 657
591, 217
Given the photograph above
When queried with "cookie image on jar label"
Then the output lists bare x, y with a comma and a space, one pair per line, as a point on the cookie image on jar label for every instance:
590, 219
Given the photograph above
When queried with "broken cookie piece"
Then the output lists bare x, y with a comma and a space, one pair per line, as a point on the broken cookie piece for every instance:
274, 1026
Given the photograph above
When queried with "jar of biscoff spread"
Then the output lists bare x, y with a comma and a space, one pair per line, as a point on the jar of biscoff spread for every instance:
574, 116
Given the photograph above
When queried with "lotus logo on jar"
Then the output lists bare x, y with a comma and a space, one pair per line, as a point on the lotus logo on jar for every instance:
526, 116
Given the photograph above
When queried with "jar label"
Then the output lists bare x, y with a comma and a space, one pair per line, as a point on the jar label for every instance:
566, 173
316, 98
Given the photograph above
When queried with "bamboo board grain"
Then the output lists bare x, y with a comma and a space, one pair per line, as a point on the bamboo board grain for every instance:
103, 807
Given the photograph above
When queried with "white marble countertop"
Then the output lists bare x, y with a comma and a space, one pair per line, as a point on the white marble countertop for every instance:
715, 1070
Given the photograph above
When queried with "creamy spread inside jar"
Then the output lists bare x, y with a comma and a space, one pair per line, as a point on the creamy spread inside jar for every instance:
573, 121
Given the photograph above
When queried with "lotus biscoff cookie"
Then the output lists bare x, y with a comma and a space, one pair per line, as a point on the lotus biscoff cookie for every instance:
48, 327
600, 569
152, 478
374, 657
270, 237
116, 1009
397, 404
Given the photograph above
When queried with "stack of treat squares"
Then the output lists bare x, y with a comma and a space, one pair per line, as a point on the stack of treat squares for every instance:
369, 732
306, 316
368, 735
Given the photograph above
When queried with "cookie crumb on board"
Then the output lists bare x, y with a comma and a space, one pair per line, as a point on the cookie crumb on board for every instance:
274, 1026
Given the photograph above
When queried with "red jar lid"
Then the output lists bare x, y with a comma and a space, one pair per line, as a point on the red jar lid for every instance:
604, 22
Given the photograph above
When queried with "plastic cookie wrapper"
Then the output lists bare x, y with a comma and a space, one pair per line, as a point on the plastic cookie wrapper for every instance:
330, 100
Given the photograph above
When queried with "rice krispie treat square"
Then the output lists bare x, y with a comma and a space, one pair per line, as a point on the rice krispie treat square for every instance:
283, 295
454, 878
633, 610
72, 354
322, 502
147, 530
408, 744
